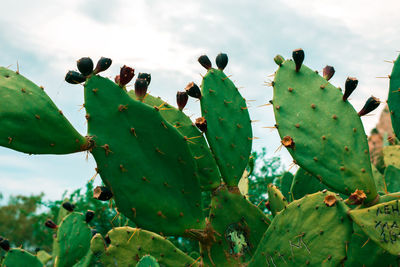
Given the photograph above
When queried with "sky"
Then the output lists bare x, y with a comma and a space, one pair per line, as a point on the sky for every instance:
165, 38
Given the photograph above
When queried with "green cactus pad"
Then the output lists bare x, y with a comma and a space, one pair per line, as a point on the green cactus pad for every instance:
307, 232
147, 261
277, 200
381, 224
140, 155
284, 183
239, 226
30, 122
364, 252
327, 136
392, 179
208, 172
394, 97
73, 240
305, 183
228, 124
391, 156
128, 245
379, 180
17, 257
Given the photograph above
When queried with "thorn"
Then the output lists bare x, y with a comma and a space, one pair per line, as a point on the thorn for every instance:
389, 61
226, 77
254, 121
252, 138
134, 232
198, 157
384, 77
365, 243
264, 105
17, 72
94, 176
279, 148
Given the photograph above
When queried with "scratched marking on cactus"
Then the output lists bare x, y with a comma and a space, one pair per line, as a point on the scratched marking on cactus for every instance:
297, 245
389, 230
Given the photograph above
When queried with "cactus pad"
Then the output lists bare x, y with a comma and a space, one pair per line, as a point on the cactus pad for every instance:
323, 133
140, 155
381, 224
394, 97
20, 258
392, 179
276, 199
30, 122
307, 232
229, 130
147, 261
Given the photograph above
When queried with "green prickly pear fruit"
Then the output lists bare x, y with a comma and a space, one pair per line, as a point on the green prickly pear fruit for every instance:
222, 61
74, 77
193, 90
102, 65
85, 66
278, 59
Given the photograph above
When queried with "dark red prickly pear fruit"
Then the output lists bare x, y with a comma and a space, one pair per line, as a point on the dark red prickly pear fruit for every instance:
371, 104
50, 224
126, 75
222, 61
68, 206
141, 87
349, 87
102, 193
89, 215
328, 72
74, 77
205, 62
102, 65
201, 123
298, 58
85, 66
181, 100
193, 90
5, 244
146, 76
116, 79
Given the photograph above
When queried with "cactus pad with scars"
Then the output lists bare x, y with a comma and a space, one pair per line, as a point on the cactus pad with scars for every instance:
394, 97
17, 257
364, 252
307, 232
73, 240
229, 130
208, 173
277, 200
381, 223
139, 154
326, 133
238, 225
379, 180
128, 245
30, 122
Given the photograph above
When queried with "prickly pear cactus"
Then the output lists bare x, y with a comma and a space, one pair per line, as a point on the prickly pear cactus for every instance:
323, 133
364, 252
284, 183
277, 201
30, 122
391, 156
73, 240
237, 225
128, 245
139, 154
229, 132
305, 183
314, 231
208, 172
17, 257
379, 181
381, 224
394, 97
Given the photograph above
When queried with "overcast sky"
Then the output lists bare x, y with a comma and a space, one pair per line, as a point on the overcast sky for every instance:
165, 38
